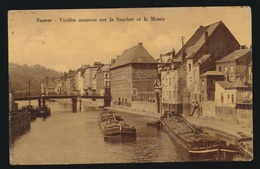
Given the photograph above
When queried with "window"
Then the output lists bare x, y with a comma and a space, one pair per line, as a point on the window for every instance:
231, 68
219, 69
231, 78
170, 96
228, 98
202, 83
106, 76
232, 98
222, 98
202, 96
225, 69
189, 67
170, 81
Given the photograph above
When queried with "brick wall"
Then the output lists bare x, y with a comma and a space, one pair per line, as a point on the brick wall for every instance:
133, 82
143, 77
121, 84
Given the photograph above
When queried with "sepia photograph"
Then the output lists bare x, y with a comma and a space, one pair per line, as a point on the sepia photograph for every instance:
130, 85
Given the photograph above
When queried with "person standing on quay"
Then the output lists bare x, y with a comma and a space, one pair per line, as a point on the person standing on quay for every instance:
196, 107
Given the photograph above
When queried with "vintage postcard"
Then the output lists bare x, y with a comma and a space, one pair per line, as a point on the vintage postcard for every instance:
130, 85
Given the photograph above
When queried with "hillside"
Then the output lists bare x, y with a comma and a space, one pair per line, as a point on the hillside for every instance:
19, 76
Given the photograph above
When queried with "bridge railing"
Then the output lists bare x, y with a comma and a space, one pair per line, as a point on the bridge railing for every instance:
26, 94
27, 97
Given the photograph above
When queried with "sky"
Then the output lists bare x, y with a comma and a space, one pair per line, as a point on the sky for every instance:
63, 46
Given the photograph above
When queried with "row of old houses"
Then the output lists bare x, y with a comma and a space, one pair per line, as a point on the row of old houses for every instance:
211, 69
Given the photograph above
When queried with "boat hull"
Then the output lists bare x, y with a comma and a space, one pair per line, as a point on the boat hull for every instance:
33, 111
113, 126
119, 131
44, 112
19, 123
215, 151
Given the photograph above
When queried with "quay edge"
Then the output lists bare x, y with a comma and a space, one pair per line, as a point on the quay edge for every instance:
232, 137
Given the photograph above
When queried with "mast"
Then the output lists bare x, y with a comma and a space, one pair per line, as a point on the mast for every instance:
176, 92
182, 40
29, 91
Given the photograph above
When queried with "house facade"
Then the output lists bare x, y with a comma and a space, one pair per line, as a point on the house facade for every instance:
88, 76
233, 94
132, 77
212, 42
49, 86
207, 85
169, 89
200, 67
235, 64
103, 81
250, 74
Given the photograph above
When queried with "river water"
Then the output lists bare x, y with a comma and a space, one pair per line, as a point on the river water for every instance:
68, 137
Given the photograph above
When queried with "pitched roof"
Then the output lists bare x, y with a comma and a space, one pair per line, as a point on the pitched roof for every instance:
238, 83
136, 54
202, 59
211, 73
105, 68
234, 55
223, 84
197, 40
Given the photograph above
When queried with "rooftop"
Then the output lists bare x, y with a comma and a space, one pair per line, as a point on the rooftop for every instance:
212, 73
136, 54
202, 59
234, 55
238, 83
197, 40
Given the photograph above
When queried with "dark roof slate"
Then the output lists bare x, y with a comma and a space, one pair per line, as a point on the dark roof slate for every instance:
202, 59
234, 55
238, 83
197, 40
136, 54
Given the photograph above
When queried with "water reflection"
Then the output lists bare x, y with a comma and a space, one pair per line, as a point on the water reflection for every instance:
76, 138
117, 140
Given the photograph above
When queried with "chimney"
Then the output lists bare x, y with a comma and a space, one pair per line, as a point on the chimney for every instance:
206, 42
113, 61
182, 40
173, 53
160, 58
183, 55
242, 46
117, 56
141, 44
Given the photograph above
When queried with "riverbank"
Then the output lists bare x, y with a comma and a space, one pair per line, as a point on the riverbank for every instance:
228, 130
128, 110
228, 126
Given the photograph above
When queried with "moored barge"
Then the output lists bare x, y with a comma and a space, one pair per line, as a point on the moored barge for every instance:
34, 111
19, 123
194, 144
113, 125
